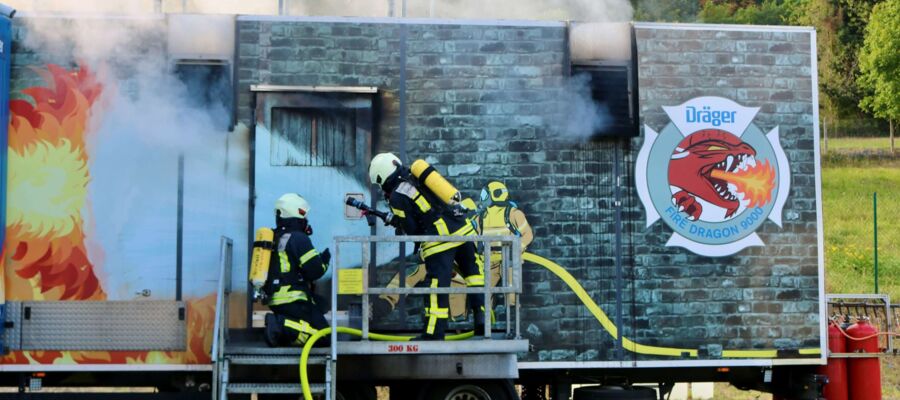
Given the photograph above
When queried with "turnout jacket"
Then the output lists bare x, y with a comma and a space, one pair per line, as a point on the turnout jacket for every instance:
294, 266
420, 214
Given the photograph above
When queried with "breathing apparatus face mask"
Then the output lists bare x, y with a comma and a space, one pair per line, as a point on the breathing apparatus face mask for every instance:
306, 227
390, 183
488, 196
301, 223
485, 198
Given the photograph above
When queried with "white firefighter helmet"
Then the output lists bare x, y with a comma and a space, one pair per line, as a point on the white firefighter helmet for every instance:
382, 166
292, 205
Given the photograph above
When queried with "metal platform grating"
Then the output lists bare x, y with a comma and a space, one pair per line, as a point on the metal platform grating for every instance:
272, 388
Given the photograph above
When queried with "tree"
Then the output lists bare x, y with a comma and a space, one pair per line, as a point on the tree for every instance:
846, 31
840, 27
717, 13
767, 12
879, 60
665, 10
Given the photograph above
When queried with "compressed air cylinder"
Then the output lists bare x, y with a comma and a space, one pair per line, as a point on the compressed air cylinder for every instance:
262, 253
428, 176
863, 374
836, 369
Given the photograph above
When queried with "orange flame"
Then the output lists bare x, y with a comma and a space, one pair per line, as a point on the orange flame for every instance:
756, 182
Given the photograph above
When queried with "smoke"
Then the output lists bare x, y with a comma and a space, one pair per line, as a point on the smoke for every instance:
558, 10
585, 116
148, 117
577, 10
590, 43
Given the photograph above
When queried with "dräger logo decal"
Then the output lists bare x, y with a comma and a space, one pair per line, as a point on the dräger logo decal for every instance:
723, 176
715, 117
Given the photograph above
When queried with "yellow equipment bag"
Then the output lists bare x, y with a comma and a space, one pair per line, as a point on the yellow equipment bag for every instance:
262, 253
428, 176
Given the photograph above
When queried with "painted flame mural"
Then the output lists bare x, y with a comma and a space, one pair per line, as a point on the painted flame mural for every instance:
45, 253
48, 188
756, 182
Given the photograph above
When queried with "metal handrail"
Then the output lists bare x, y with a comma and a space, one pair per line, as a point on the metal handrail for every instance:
884, 298
511, 284
510, 255
220, 327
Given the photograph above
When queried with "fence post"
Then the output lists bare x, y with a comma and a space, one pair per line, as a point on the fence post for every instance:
875, 228
825, 134
891, 130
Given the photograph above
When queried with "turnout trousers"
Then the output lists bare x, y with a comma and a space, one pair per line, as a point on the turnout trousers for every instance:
439, 269
294, 323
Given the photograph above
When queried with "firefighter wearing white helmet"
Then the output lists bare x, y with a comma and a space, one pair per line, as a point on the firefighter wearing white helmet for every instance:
292, 272
417, 211
383, 165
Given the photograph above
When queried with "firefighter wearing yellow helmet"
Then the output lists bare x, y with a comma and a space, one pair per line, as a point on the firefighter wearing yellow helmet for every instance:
499, 216
292, 270
418, 211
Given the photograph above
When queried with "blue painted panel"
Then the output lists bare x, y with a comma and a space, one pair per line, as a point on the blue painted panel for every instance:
5, 49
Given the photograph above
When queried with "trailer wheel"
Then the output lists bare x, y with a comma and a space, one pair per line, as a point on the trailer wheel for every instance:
614, 393
471, 390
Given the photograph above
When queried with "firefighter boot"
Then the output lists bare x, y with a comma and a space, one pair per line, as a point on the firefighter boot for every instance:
273, 330
440, 326
381, 308
479, 322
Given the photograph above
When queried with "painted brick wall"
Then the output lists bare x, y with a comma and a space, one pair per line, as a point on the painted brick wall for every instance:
486, 102
764, 297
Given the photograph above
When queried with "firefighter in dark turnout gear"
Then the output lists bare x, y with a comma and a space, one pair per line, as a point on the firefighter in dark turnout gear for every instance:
418, 212
293, 268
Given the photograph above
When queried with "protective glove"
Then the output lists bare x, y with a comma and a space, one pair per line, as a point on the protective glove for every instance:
326, 257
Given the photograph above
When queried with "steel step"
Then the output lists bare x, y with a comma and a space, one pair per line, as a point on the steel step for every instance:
273, 360
272, 388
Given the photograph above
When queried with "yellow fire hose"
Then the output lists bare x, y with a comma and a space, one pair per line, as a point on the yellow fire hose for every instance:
628, 344
588, 302
304, 356
601, 316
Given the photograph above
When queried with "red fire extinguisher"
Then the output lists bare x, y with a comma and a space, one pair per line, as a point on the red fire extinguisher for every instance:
863, 374
836, 369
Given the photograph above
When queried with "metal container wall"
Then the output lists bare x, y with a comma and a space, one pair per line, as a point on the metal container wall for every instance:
5, 35
5, 49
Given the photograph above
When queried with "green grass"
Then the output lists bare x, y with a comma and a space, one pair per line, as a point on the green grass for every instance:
867, 143
850, 174
847, 188
890, 385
